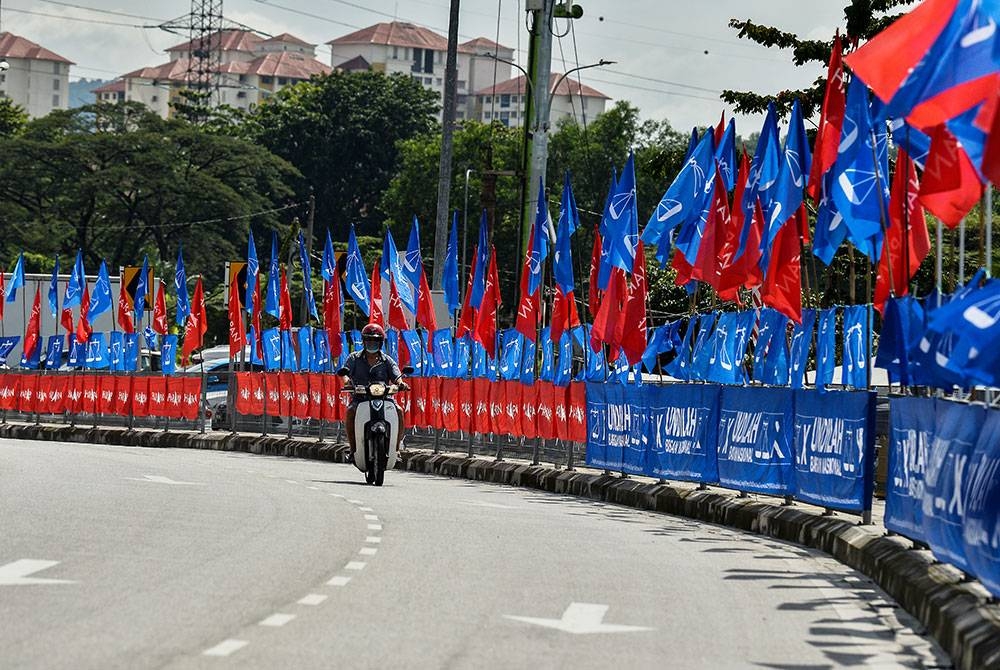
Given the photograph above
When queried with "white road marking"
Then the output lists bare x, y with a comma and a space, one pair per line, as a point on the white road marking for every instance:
365, 509
277, 620
336, 495
225, 648
16, 573
580, 619
368, 551
291, 481
374, 539
355, 565
374, 526
371, 517
313, 488
355, 502
157, 479
338, 581
476, 503
312, 599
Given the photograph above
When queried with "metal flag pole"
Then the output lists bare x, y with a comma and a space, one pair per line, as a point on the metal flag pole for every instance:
988, 225
961, 251
939, 243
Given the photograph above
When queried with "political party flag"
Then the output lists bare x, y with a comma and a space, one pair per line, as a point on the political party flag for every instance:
856, 346
764, 170
528, 307
253, 269
376, 316
54, 289
83, 329
32, 334
3, 294
633, 340
100, 299
411, 261
907, 241
255, 328
732, 271
467, 317
272, 293
77, 278
197, 323
307, 277
284, 303
425, 308
788, 192
17, 279
708, 267
950, 186
159, 310
605, 329
141, 288
538, 249
831, 121
331, 316
782, 287
180, 287
593, 284
328, 268
798, 353
237, 335
725, 153
397, 317
692, 144
449, 281
481, 264
622, 233
124, 313
485, 331
356, 278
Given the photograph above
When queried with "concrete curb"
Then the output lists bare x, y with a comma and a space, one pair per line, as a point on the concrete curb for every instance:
957, 613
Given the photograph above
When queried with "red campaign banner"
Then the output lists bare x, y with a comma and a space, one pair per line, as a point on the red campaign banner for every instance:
465, 405
316, 396
173, 402
286, 385
560, 412
331, 398
272, 388
88, 388
343, 401
481, 406
57, 394
191, 401
300, 397
244, 392
26, 393
106, 394
42, 385
418, 401
576, 412
143, 389
498, 394
543, 416
433, 409
449, 405
123, 395
8, 392
157, 405
512, 407
404, 400
529, 411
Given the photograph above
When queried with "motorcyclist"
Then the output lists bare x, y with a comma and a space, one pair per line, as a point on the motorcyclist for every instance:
371, 364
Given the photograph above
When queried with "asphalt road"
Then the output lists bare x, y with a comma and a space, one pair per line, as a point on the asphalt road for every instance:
192, 559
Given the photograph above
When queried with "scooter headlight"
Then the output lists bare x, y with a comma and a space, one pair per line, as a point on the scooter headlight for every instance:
377, 390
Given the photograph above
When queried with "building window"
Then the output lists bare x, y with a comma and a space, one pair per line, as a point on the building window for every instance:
55, 84
489, 99
505, 118
267, 80
56, 69
505, 100
438, 81
241, 94
55, 100
461, 84
3, 78
460, 115
487, 115
155, 98
428, 80
243, 78
282, 81
395, 53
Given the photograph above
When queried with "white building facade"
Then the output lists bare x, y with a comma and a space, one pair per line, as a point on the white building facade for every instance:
37, 79
506, 101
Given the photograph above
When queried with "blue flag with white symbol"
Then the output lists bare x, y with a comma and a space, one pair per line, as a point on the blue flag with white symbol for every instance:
794, 173
168, 354
902, 326
569, 219
799, 349
482, 265
831, 231
7, 345
17, 279
141, 287
701, 353
916, 143
528, 355
98, 354
77, 280
289, 360
328, 268
680, 366
180, 286
321, 351
272, 292
415, 348
100, 299
253, 268
411, 261
548, 369
307, 277
305, 341
358, 286
539, 241
857, 345
461, 362
604, 268
271, 338
622, 234
449, 281
771, 352
54, 351
116, 350
765, 167
443, 355
826, 347
54, 290
564, 372
130, 352
392, 267
511, 347
725, 156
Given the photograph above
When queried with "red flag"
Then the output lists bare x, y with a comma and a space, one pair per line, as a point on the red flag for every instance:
197, 323
160, 311
634, 318
731, 272
782, 288
83, 329
708, 266
681, 267
486, 319
397, 317
376, 315
905, 212
425, 309
33, 334
951, 187
258, 341
594, 295
237, 335
720, 129
605, 330
124, 311
991, 155
331, 316
66, 317
467, 318
528, 308
831, 122
564, 314
284, 304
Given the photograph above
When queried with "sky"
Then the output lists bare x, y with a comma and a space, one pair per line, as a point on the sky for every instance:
673, 57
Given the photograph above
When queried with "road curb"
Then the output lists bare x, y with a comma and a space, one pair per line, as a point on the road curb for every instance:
955, 612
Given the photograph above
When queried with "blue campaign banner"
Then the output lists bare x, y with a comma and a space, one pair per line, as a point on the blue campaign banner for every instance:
911, 432
682, 431
116, 349
602, 450
130, 351
835, 448
461, 358
98, 357
981, 493
54, 352
305, 341
168, 354
635, 433
7, 345
756, 427
956, 431
77, 352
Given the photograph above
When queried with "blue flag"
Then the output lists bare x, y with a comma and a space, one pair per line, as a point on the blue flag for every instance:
141, 287
329, 266
253, 268
622, 235
444, 353
415, 348
116, 350
831, 231
320, 351
482, 264
54, 352
692, 143
54, 290
392, 267
168, 354
902, 325
461, 358
358, 286
511, 348
916, 143
452, 294
100, 299
701, 353
826, 347
181, 287
271, 339
604, 271
680, 366
725, 156
272, 293
564, 372
411, 260
130, 352
305, 341
307, 276
539, 242
857, 346
799, 349
7, 345
98, 353
289, 359
858, 182
77, 280
764, 170
562, 264
529, 353
16, 279
771, 353
794, 173
723, 365
659, 343
547, 371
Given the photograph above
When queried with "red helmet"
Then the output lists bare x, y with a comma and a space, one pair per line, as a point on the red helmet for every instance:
373, 331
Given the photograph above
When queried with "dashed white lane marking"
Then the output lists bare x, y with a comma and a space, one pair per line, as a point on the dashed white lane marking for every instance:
277, 620
313, 488
338, 581
336, 495
225, 648
368, 551
355, 502
291, 481
371, 517
365, 509
313, 599
355, 565
374, 526
373, 539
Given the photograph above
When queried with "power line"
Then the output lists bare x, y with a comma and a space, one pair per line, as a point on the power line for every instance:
74, 18
103, 11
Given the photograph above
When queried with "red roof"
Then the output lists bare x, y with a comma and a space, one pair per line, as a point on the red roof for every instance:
568, 86
356, 64
287, 38
481, 44
15, 46
279, 64
116, 86
398, 34
231, 40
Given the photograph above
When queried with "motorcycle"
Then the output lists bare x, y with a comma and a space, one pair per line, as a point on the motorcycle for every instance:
376, 426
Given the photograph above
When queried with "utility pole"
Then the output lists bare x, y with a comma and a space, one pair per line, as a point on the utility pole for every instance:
536, 138
447, 132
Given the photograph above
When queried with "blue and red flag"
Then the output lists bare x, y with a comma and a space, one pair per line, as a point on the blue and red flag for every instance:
564, 312
450, 276
622, 232
789, 192
481, 264
539, 249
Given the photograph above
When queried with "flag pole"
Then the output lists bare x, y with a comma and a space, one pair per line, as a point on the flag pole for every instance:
961, 251
939, 242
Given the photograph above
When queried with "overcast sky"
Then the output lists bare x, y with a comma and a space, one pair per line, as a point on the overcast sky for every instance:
660, 46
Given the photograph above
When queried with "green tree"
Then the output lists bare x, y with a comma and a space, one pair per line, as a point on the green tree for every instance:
12, 118
341, 131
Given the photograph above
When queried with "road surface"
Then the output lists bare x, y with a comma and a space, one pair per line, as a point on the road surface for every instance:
116, 557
